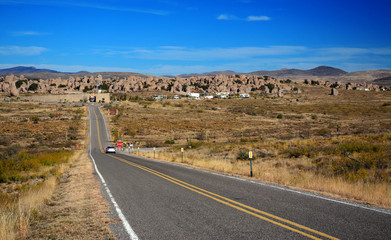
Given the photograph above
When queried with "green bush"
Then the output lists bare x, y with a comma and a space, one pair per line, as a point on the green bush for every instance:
172, 141
242, 155
19, 83
15, 168
33, 87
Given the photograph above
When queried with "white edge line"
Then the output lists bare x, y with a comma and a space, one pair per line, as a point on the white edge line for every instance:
126, 224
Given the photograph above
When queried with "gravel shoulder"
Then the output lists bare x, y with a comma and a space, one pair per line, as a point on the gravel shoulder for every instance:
77, 209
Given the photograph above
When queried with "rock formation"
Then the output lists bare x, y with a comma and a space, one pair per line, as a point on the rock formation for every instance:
14, 85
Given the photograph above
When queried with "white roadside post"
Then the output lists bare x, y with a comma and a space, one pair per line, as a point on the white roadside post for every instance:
250, 155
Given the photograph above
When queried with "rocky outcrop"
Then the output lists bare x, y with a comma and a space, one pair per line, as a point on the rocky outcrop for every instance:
334, 92
14, 85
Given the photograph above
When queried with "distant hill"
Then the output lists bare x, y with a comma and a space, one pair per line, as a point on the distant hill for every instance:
24, 70
386, 81
318, 72
324, 73
226, 73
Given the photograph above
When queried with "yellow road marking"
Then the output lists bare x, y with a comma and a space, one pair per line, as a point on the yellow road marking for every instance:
228, 202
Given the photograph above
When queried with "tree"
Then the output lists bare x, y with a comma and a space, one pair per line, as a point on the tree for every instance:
104, 86
86, 89
334, 85
19, 83
33, 87
270, 86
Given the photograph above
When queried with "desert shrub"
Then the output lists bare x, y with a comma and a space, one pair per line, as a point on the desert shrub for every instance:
323, 132
33, 87
313, 82
180, 105
11, 169
5, 140
172, 141
130, 132
242, 155
279, 116
19, 83
296, 152
194, 145
11, 151
104, 86
35, 119
270, 86
151, 144
355, 146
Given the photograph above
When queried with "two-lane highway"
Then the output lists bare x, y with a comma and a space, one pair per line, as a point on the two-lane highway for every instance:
158, 200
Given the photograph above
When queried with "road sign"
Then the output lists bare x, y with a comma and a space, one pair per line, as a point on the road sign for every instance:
250, 154
119, 144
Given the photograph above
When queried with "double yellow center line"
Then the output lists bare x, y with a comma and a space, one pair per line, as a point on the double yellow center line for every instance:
284, 223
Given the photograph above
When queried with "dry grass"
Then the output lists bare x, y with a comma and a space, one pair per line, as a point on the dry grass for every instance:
284, 172
335, 145
76, 209
34, 153
15, 216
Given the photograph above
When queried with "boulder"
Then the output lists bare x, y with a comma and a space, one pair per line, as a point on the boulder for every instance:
14, 92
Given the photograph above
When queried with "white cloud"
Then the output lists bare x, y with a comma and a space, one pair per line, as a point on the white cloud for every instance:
83, 5
227, 17
172, 47
258, 18
347, 51
249, 18
204, 54
25, 51
29, 33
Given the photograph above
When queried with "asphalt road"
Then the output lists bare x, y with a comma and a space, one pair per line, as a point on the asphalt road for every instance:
158, 200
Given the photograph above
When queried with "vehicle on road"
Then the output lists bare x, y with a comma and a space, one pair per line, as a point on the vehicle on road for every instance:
92, 98
110, 149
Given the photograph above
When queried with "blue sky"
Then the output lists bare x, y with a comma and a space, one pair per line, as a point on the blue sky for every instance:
174, 37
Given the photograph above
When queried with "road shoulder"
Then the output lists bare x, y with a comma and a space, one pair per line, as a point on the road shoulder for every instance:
77, 209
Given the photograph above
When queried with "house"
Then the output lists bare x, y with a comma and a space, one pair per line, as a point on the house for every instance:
158, 97
223, 94
193, 95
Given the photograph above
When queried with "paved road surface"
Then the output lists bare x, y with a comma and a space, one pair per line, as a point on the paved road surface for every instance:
158, 200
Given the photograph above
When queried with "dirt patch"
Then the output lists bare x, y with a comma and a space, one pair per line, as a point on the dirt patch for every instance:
77, 209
